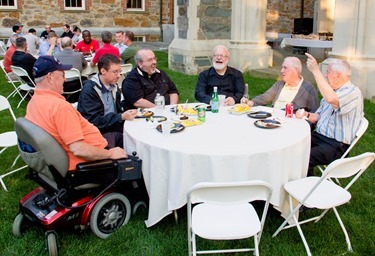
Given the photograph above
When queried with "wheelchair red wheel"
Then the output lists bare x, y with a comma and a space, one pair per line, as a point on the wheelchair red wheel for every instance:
109, 214
20, 225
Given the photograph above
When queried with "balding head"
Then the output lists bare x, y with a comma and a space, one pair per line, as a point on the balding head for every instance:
295, 63
66, 42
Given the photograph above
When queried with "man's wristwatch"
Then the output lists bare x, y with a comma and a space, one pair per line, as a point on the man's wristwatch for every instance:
308, 115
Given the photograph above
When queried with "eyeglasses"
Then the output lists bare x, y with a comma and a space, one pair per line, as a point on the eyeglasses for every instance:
220, 55
116, 71
150, 59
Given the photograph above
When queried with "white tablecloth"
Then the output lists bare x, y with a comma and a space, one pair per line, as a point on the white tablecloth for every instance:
306, 43
226, 147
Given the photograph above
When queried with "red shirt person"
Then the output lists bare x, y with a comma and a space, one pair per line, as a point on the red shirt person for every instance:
87, 45
107, 48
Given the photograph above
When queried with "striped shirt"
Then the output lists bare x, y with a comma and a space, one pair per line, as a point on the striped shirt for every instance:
342, 123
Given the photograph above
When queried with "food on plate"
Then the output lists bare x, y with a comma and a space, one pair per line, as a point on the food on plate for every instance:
190, 122
239, 109
184, 110
147, 113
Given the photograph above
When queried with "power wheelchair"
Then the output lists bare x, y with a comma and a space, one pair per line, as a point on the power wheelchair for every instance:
98, 194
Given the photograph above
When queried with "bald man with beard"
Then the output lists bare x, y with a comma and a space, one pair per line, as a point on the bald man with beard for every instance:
229, 81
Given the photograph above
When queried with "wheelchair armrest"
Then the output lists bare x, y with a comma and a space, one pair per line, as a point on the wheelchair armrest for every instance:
95, 165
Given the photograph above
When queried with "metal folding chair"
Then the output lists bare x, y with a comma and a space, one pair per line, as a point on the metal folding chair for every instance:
20, 72
223, 211
8, 139
324, 194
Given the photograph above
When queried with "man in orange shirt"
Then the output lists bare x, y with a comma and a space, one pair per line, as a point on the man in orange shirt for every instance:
48, 109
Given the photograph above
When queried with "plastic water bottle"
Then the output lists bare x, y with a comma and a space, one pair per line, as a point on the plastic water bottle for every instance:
215, 101
159, 102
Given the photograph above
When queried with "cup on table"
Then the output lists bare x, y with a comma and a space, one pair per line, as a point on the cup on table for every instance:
221, 100
166, 127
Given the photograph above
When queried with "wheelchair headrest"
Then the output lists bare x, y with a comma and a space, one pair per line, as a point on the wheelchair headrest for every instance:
51, 151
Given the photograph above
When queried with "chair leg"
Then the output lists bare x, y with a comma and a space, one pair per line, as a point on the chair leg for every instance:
343, 229
15, 160
256, 247
302, 236
175, 216
3, 184
193, 243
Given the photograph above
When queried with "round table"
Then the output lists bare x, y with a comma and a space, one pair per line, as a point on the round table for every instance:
226, 147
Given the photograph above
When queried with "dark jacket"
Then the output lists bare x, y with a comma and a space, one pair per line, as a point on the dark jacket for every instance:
138, 85
91, 107
231, 84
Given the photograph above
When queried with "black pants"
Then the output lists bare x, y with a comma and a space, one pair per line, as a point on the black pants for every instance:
324, 150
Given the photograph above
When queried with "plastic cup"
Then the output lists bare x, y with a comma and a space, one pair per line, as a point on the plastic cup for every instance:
166, 127
221, 100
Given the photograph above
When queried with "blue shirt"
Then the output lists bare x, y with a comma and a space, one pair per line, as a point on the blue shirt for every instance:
43, 48
342, 123
121, 47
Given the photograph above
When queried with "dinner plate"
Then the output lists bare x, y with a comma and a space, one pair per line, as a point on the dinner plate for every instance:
157, 118
176, 128
144, 114
259, 114
208, 107
267, 124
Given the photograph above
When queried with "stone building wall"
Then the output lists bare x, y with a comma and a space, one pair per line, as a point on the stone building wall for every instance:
98, 14
215, 16
281, 14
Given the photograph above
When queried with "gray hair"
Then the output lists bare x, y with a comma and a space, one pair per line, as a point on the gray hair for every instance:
39, 79
295, 62
13, 38
340, 66
66, 42
138, 56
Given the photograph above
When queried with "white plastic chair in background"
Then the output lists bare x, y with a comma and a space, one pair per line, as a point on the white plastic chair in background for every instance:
11, 80
8, 139
125, 69
72, 75
324, 194
20, 72
223, 212
361, 130
3, 48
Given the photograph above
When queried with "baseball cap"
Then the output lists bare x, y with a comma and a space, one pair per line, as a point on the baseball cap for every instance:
47, 64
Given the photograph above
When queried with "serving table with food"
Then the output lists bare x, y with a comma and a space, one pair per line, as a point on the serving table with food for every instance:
235, 144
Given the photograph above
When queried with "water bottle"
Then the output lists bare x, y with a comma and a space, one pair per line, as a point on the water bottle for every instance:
245, 97
159, 102
215, 101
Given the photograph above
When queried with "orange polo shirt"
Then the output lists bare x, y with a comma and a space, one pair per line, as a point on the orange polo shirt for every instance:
54, 114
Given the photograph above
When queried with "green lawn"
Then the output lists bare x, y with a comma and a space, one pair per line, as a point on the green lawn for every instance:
168, 238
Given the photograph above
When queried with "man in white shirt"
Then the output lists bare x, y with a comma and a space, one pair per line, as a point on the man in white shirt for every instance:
33, 42
120, 41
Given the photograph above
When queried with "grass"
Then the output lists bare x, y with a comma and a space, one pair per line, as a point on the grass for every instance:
167, 238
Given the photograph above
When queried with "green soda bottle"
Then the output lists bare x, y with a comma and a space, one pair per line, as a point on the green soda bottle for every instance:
215, 101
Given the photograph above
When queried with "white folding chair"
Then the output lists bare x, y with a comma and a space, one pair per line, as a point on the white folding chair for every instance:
361, 130
223, 212
20, 72
323, 194
10, 79
3, 49
71, 75
8, 139
125, 69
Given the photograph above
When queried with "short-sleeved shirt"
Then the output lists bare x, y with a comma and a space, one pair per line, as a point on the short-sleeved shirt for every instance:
55, 115
139, 85
342, 123
8, 58
105, 49
93, 46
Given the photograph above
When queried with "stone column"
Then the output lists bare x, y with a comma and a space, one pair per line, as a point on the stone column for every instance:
200, 25
354, 40
248, 44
